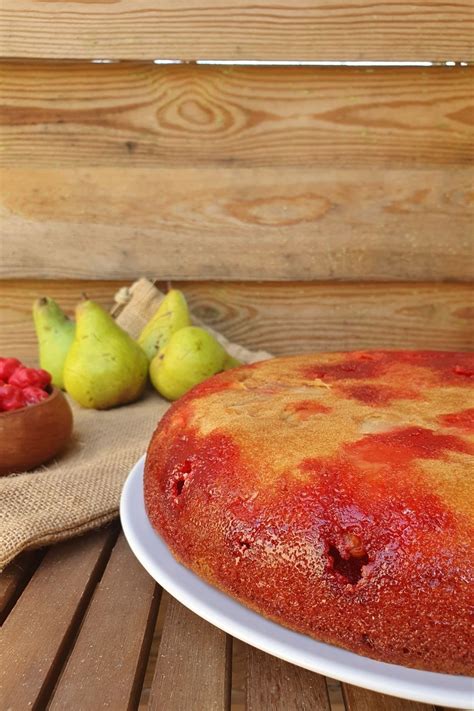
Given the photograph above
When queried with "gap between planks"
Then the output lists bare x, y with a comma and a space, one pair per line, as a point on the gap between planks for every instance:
193, 669
114, 640
41, 628
14, 579
186, 651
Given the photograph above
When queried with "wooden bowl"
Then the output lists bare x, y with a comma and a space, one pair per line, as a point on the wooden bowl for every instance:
33, 434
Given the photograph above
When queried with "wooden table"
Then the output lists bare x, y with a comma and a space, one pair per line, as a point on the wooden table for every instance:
86, 628
301, 208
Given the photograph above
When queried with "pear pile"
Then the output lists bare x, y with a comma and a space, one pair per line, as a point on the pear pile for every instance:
100, 366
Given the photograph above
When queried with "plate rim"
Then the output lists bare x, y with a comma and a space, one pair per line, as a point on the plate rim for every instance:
413, 690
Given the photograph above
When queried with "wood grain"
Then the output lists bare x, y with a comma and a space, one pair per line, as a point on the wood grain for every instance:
193, 666
287, 318
357, 699
239, 676
140, 115
34, 436
37, 632
220, 29
281, 318
153, 656
14, 578
107, 664
279, 686
242, 223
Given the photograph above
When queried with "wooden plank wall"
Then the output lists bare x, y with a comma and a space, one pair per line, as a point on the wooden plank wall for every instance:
238, 29
294, 173
300, 207
282, 318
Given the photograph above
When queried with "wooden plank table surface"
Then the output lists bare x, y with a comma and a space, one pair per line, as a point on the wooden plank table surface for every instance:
86, 628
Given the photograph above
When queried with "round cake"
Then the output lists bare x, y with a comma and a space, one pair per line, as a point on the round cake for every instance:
333, 494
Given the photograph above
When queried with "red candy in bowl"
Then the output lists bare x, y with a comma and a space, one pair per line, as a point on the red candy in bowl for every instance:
35, 417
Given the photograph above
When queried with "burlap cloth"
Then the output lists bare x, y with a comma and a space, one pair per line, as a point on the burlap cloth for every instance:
81, 489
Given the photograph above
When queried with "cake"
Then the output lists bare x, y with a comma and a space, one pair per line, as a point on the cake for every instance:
333, 494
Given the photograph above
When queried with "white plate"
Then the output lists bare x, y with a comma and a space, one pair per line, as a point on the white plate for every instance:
235, 619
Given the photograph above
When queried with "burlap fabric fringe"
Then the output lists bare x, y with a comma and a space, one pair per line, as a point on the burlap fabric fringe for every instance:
81, 489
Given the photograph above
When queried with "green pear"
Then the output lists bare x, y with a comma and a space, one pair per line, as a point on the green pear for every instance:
55, 333
231, 362
190, 356
105, 367
171, 315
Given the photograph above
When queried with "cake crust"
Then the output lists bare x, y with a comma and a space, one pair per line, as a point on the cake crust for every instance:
333, 494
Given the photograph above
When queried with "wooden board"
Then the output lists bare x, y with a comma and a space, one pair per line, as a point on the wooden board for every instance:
153, 656
193, 666
281, 318
287, 318
140, 115
279, 686
120, 651
39, 630
237, 223
243, 29
357, 699
100, 658
14, 579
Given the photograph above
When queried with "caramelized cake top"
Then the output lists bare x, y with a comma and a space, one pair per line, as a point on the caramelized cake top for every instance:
350, 473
